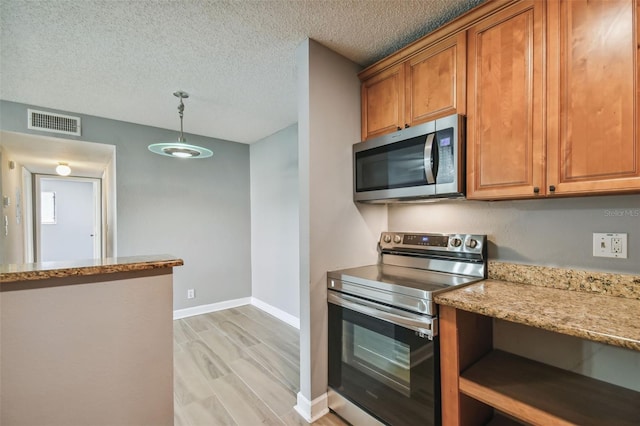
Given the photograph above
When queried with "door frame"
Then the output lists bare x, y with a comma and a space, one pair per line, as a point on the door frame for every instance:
97, 210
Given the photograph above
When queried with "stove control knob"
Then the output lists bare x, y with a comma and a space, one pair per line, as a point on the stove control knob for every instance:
386, 238
472, 243
456, 242
397, 239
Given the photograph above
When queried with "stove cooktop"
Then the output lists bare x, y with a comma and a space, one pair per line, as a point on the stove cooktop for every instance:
402, 280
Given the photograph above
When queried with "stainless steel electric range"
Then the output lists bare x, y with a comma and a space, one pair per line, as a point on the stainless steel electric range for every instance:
383, 326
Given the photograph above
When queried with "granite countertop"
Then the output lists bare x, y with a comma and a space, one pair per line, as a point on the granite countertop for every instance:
43, 270
601, 318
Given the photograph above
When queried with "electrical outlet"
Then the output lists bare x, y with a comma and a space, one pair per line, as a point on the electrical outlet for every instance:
610, 245
191, 293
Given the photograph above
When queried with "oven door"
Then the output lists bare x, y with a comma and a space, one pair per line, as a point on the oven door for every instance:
384, 360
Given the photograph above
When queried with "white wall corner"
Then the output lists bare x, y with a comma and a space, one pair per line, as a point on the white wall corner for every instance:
278, 313
212, 307
312, 410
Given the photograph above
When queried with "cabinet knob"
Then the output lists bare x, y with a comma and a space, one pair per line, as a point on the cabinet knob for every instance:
399, 128
552, 188
406, 126
536, 190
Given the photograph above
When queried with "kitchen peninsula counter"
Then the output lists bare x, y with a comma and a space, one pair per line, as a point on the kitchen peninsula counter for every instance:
95, 335
44, 270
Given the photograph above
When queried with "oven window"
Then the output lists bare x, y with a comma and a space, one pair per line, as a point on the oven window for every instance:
386, 369
377, 356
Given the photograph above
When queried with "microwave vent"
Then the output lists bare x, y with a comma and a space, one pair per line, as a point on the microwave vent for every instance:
53, 122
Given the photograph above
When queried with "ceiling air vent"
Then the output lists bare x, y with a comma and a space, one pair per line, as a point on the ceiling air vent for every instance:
54, 123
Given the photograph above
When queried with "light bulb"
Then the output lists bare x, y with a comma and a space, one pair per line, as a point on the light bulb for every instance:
63, 169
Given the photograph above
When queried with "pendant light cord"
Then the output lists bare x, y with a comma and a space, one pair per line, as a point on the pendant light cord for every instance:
181, 113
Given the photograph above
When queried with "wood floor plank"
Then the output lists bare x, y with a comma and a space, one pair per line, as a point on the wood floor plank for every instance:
292, 418
209, 363
289, 350
277, 326
209, 412
179, 417
222, 345
269, 389
237, 333
188, 384
199, 323
243, 404
182, 333
280, 367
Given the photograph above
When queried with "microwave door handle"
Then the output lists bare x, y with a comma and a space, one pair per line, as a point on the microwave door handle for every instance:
422, 325
428, 159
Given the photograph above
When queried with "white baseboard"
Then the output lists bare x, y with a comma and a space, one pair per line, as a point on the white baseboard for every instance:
312, 410
212, 307
278, 313
227, 304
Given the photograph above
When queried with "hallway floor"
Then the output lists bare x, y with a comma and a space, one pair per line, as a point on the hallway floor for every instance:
239, 366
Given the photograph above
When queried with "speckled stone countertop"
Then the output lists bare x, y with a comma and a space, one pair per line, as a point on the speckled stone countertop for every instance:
40, 271
605, 283
605, 319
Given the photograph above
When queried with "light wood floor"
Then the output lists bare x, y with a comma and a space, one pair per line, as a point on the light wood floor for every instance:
239, 366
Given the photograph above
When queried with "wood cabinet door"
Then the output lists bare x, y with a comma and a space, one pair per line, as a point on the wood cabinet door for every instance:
505, 114
383, 102
435, 81
594, 102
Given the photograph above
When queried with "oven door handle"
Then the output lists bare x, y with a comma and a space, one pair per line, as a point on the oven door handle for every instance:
422, 324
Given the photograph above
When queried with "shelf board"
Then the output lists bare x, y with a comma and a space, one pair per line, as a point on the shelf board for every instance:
541, 394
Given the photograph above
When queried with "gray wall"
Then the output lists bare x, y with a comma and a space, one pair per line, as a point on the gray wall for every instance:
198, 210
275, 275
556, 232
334, 232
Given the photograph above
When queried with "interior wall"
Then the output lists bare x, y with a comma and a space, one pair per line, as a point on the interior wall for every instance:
551, 232
197, 210
11, 240
275, 273
335, 233
109, 204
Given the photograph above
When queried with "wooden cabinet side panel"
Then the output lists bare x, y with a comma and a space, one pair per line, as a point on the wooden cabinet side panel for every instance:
593, 60
505, 85
449, 366
464, 338
383, 102
435, 81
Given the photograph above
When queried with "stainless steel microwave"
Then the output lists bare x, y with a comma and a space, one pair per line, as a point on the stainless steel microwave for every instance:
420, 162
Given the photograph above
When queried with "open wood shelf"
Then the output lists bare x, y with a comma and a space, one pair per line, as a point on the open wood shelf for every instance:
541, 394
500, 419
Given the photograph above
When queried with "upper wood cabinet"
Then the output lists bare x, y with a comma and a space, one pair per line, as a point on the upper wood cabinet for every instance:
574, 132
593, 101
435, 81
427, 85
383, 102
505, 137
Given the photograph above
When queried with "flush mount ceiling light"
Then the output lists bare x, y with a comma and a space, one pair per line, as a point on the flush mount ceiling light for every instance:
63, 169
180, 149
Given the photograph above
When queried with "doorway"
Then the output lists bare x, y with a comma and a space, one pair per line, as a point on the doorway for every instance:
68, 218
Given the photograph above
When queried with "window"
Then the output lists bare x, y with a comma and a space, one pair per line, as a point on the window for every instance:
48, 208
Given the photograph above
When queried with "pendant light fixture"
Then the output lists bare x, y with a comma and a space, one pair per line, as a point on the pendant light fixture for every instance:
180, 149
63, 169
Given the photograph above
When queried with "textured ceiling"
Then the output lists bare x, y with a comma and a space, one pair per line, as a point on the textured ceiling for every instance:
124, 59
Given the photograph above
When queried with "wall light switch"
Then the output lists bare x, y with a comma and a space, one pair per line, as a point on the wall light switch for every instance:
610, 245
